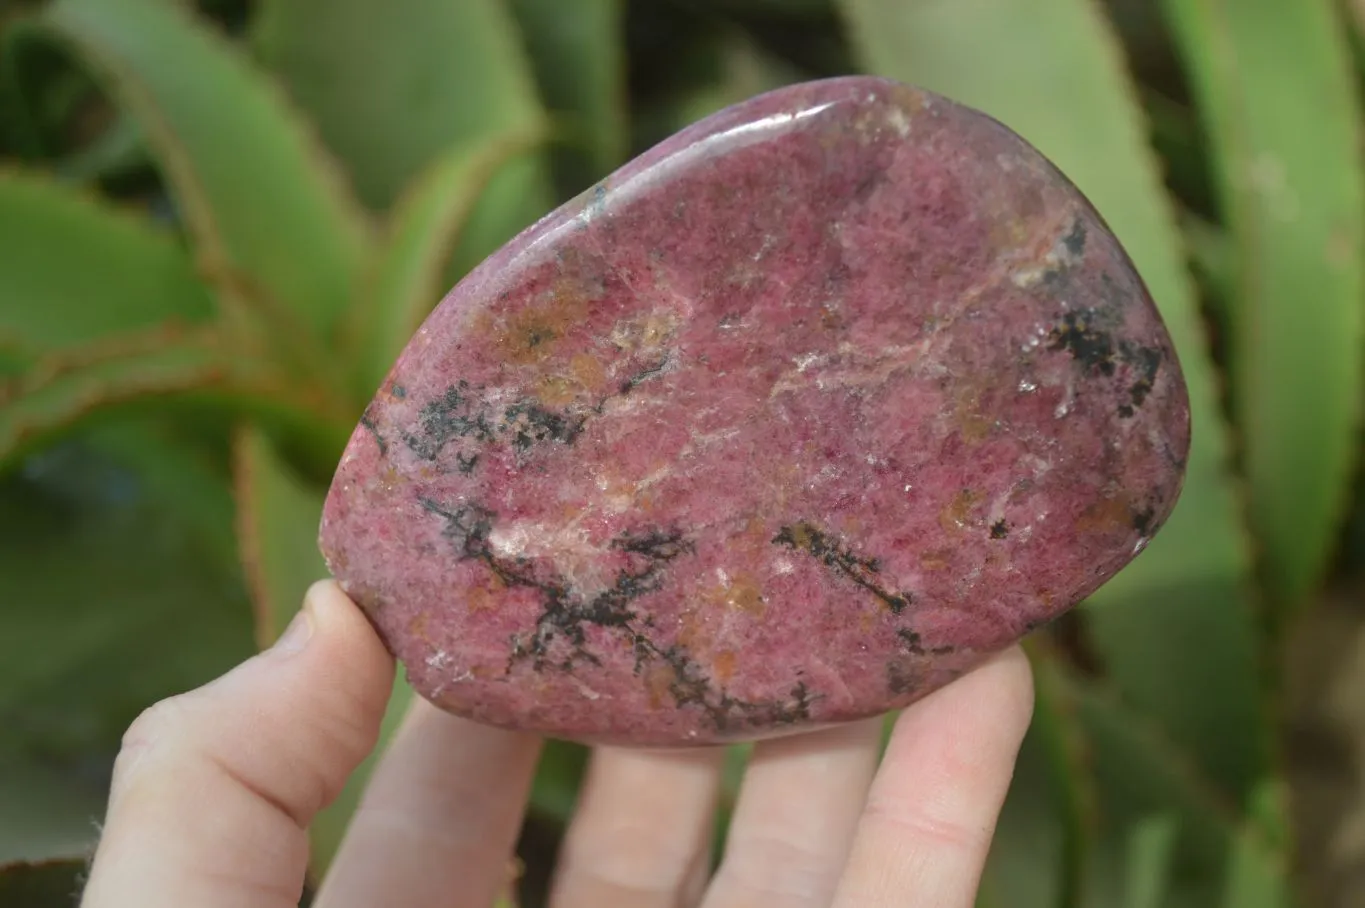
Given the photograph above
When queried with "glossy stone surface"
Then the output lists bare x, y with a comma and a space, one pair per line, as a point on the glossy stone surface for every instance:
792, 420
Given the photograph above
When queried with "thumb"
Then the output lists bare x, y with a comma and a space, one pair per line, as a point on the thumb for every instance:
214, 789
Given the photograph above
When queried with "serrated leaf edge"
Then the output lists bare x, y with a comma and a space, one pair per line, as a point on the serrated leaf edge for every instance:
120, 83
481, 164
16, 435
247, 446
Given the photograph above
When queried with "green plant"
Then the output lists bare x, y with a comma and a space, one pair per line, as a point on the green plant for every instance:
219, 225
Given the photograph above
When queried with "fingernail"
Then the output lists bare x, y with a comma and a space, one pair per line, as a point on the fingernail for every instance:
297, 634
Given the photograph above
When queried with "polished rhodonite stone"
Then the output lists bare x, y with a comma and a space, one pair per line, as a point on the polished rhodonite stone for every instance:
790, 421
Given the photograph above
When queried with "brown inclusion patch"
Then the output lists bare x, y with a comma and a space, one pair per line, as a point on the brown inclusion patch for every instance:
972, 422
529, 335
741, 593
659, 680
723, 666
1106, 515
935, 560
957, 515
485, 597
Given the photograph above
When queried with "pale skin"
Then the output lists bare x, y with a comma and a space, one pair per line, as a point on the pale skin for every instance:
214, 790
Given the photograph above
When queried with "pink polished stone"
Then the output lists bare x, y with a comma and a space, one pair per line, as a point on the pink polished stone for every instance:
790, 421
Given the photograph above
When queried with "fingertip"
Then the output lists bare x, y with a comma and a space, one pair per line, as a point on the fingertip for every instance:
328, 603
994, 700
353, 643
1008, 676
1013, 656
329, 591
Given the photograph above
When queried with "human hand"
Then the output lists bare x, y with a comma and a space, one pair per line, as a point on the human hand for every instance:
214, 790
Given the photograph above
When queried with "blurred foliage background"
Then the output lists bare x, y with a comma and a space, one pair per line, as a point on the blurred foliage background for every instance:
220, 222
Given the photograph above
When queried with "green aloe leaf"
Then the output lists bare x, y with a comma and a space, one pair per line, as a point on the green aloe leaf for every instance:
76, 269
554, 791
1151, 855
109, 605
181, 470
47, 108
266, 207
1293, 196
278, 514
1257, 871
1071, 778
84, 384
1140, 773
392, 87
1213, 259
1177, 619
61, 391
1044, 845
1027, 856
406, 274
34, 111
119, 152
580, 65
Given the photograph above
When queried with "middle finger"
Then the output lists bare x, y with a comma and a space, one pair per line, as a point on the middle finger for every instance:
797, 812
641, 834
437, 824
